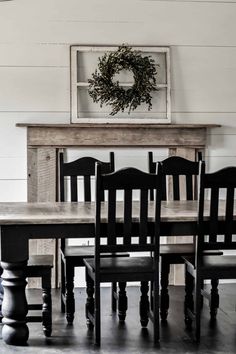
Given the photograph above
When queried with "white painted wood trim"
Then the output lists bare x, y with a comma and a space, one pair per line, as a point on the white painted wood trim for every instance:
73, 86
168, 86
124, 84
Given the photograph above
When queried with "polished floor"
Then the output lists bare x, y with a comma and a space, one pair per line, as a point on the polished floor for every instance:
130, 338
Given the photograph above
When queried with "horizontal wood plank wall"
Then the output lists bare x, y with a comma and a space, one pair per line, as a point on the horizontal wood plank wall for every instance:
34, 69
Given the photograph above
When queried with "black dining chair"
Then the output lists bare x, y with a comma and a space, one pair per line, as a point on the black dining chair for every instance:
72, 256
40, 266
120, 233
175, 168
215, 231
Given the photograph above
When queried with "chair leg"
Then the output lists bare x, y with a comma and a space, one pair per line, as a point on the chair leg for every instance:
197, 311
202, 297
47, 305
156, 322
214, 303
97, 315
63, 309
114, 297
89, 307
122, 302
69, 293
188, 302
151, 294
1, 295
165, 270
144, 305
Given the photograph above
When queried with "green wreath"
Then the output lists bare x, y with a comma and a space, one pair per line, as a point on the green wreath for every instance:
103, 89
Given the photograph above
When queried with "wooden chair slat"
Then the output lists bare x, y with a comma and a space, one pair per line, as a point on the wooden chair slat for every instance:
87, 188
176, 191
74, 188
61, 179
189, 187
143, 216
229, 215
151, 169
112, 217
164, 189
127, 216
214, 213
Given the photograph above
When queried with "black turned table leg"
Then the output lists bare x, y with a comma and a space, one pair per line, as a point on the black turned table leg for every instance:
47, 305
144, 304
14, 306
122, 302
47, 312
165, 270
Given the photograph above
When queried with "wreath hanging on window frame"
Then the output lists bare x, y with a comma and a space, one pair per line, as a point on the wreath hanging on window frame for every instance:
104, 90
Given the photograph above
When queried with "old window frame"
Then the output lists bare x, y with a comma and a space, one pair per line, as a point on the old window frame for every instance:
77, 84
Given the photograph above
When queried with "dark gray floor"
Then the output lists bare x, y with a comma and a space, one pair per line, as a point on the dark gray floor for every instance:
130, 338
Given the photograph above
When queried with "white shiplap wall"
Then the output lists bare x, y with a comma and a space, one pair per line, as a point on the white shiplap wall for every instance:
34, 69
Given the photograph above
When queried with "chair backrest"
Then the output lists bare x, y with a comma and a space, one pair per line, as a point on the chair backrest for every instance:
216, 222
179, 170
125, 224
83, 167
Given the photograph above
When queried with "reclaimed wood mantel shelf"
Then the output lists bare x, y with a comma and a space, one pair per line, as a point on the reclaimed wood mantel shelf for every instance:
45, 140
163, 135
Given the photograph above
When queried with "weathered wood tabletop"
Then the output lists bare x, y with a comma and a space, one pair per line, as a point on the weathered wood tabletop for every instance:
84, 212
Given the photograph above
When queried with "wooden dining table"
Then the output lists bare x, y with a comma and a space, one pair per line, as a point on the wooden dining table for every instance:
20, 222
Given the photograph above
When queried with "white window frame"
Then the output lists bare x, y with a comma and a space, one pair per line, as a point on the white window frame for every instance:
77, 84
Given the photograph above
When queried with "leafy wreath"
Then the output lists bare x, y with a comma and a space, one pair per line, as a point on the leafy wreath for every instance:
103, 89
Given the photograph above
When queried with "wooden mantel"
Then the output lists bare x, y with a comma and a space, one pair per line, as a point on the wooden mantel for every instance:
45, 140
163, 135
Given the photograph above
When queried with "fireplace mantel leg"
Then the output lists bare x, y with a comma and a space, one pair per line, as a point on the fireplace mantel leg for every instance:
42, 187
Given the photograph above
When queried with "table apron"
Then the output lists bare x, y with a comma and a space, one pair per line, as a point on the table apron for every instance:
14, 239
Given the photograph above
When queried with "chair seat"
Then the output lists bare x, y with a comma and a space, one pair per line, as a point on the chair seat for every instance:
182, 249
87, 252
122, 265
40, 261
78, 251
215, 263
